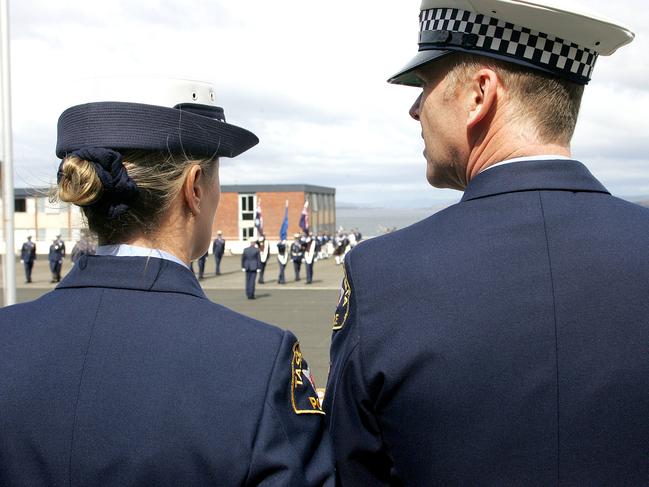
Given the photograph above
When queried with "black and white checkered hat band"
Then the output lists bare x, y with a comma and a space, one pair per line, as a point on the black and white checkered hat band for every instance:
454, 29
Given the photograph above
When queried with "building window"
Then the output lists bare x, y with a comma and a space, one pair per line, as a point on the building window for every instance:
20, 205
247, 203
247, 207
41, 234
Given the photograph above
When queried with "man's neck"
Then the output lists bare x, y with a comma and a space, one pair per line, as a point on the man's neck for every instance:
485, 158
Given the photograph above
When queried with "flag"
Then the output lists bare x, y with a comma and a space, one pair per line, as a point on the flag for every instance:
259, 220
283, 231
304, 218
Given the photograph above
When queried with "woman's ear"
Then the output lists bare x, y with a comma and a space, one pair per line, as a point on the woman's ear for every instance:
192, 190
483, 96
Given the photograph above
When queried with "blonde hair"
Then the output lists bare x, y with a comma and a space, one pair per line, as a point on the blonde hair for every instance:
547, 103
159, 177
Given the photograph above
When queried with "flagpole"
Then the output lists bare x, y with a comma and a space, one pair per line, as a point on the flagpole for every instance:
9, 267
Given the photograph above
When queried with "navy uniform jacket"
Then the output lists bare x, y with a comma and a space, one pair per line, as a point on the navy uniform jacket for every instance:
28, 252
297, 252
250, 259
127, 375
514, 352
218, 247
56, 252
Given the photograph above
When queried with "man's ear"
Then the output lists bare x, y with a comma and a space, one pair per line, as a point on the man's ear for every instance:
483, 96
192, 190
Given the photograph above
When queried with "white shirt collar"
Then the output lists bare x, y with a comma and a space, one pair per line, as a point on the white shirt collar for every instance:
529, 158
126, 250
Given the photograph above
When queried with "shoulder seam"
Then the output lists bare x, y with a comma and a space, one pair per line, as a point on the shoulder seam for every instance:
556, 336
83, 368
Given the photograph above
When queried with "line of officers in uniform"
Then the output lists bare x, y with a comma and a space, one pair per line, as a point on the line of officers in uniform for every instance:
85, 246
55, 257
304, 249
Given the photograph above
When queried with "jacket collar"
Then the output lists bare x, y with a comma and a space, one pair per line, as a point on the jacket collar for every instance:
138, 273
567, 175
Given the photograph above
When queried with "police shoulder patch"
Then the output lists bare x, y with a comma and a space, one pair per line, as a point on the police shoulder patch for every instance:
304, 397
342, 310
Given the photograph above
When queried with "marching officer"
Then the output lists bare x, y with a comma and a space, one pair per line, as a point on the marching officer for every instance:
57, 250
218, 248
62, 244
282, 259
297, 254
251, 265
27, 257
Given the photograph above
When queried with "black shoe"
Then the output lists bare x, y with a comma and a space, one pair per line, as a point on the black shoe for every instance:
251, 297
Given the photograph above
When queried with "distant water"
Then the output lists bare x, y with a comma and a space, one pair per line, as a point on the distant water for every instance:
375, 221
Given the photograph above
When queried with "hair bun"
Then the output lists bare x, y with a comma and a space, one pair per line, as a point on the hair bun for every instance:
78, 182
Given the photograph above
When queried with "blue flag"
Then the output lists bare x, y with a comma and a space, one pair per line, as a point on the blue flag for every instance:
283, 231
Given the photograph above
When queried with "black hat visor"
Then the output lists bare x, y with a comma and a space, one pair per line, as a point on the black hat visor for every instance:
407, 74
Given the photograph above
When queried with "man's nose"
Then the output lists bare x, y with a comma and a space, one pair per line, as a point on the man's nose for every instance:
414, 109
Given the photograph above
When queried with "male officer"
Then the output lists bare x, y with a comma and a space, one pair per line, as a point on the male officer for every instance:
56, 259
218, 248
250, 264
27, 257
61, 245
264, 252
515, 351
297, 254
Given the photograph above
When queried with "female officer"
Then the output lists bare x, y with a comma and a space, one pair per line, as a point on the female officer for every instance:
126, 374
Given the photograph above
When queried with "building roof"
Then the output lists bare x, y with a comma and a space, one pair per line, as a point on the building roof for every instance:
31, 192
276, 188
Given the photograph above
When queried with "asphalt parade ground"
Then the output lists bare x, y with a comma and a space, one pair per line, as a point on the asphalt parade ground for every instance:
306, 310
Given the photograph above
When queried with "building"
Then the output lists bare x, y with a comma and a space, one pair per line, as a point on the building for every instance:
43, 219
235, 216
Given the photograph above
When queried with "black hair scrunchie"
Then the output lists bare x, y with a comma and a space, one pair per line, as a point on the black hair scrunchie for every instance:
118, 188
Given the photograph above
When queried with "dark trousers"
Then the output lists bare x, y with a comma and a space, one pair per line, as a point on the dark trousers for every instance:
296, 266
261, 273
28, 270
201, 268
218, 263
55, 268
309, 273
281, 279
251, 278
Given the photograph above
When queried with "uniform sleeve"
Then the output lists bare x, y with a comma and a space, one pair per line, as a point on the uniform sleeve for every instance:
360, 454
291, 447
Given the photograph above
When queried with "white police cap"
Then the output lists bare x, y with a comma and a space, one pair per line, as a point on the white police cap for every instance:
543, 35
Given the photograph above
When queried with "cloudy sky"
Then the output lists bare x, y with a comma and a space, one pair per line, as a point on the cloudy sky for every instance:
308, 78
